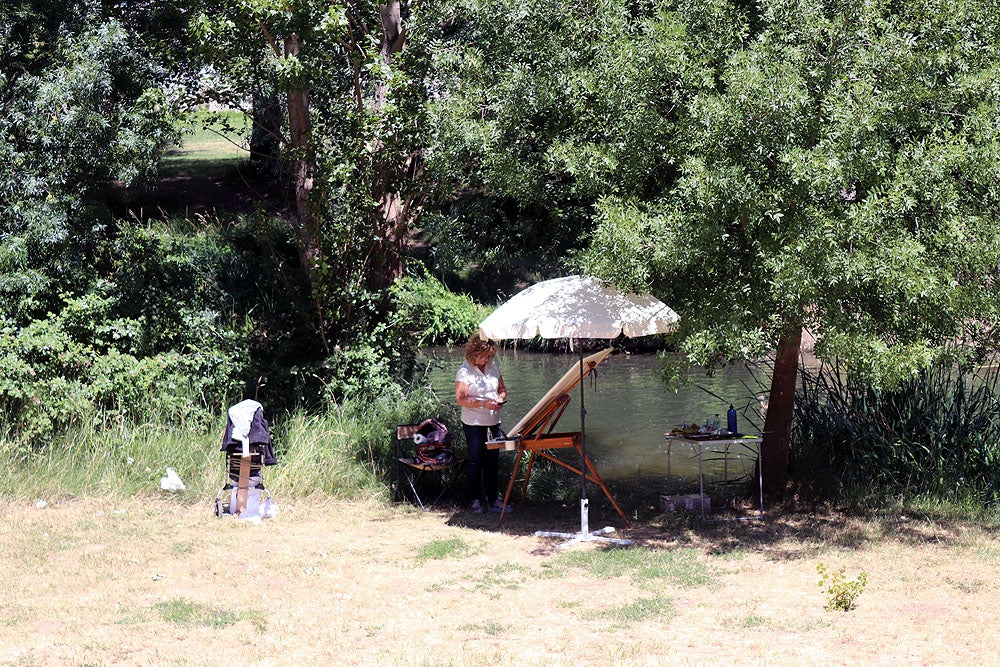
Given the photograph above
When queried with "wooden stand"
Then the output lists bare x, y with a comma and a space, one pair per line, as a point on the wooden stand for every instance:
533, 434
242, 485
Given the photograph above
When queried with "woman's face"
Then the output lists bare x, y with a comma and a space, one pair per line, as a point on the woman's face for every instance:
484, 357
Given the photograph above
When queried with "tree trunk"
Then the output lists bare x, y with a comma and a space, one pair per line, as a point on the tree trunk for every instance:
393, 212
780, 409
302, 168
393, 39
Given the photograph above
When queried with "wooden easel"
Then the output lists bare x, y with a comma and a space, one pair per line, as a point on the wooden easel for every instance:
534, 434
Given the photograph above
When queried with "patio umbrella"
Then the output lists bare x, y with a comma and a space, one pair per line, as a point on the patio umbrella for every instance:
578, 307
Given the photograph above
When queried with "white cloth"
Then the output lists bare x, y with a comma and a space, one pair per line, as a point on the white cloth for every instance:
241, 415
172, 482
483, 384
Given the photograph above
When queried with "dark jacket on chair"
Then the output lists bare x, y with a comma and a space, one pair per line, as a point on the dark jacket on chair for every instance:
260, 437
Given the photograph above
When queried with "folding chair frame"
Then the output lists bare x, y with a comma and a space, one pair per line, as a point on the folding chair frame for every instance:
413, 471
239, 471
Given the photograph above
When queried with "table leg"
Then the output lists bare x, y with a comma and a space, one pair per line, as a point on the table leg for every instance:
725, 472
760, 480
701, 482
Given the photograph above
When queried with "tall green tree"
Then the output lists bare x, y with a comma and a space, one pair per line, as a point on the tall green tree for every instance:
81, 106
539, 109
765, 168
838, 173
351, 137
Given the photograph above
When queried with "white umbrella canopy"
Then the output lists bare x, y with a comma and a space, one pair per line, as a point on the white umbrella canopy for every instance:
577, 307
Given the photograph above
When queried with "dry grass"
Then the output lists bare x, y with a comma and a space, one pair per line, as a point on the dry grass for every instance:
152, 582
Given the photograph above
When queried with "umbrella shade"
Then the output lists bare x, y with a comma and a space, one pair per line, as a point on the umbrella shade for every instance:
577, 307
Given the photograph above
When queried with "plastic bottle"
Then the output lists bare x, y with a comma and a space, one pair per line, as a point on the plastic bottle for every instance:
716, 423
731, 420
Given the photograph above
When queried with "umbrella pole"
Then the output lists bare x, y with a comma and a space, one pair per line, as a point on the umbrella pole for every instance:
583, 434
584, 535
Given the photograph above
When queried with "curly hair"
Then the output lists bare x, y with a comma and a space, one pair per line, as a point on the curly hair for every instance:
477, 346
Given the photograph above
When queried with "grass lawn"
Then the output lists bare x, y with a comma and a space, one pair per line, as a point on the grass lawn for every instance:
213, 144
149, 581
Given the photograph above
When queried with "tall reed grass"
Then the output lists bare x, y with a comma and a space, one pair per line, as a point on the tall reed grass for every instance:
345, 451
936, 437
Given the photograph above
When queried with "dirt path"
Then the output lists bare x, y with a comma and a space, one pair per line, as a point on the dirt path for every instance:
144, 582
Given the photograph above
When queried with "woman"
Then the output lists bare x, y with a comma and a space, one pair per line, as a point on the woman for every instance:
480, 391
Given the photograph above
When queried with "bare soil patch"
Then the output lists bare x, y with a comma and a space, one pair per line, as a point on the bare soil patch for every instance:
157, 582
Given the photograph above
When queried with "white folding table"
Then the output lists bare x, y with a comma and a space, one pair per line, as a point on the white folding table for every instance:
699, 444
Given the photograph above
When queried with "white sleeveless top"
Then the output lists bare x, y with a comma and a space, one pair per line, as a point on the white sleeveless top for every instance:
483, 384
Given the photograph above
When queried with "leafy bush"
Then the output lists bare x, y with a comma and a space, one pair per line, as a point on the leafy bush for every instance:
152, 337
433, 314
85, 108
361, 371
842, 594
55, 377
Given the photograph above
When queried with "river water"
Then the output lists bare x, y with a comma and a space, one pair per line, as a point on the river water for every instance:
628, 408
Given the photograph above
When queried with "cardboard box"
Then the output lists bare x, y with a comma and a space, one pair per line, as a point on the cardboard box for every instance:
691, 502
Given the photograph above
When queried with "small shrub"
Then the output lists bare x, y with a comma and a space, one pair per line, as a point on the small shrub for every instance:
841, 594
435, 315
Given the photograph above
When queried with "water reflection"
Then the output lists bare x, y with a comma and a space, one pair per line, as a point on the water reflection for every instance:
628, 408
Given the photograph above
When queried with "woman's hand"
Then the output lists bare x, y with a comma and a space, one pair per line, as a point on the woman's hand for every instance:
463, 399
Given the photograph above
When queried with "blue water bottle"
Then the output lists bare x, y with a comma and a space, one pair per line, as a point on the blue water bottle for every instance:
731, 419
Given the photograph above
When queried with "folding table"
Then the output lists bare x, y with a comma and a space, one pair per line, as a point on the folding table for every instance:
699, 443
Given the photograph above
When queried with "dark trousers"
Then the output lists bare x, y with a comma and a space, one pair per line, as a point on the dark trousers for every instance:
483, 466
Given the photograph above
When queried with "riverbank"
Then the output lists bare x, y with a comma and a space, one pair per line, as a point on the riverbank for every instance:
153, 581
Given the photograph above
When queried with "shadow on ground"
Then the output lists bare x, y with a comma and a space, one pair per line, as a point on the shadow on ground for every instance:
199, 187
789, 530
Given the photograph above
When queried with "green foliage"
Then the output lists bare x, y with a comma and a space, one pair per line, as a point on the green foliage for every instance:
183, 315
80, 106
363, 369
55, 378
156, 335
936, 433
842, 594
318, 454
454, 547
373, 421
188, 614
529, 131
432, 313
362, 152
833, 170
344, 452
115, 457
